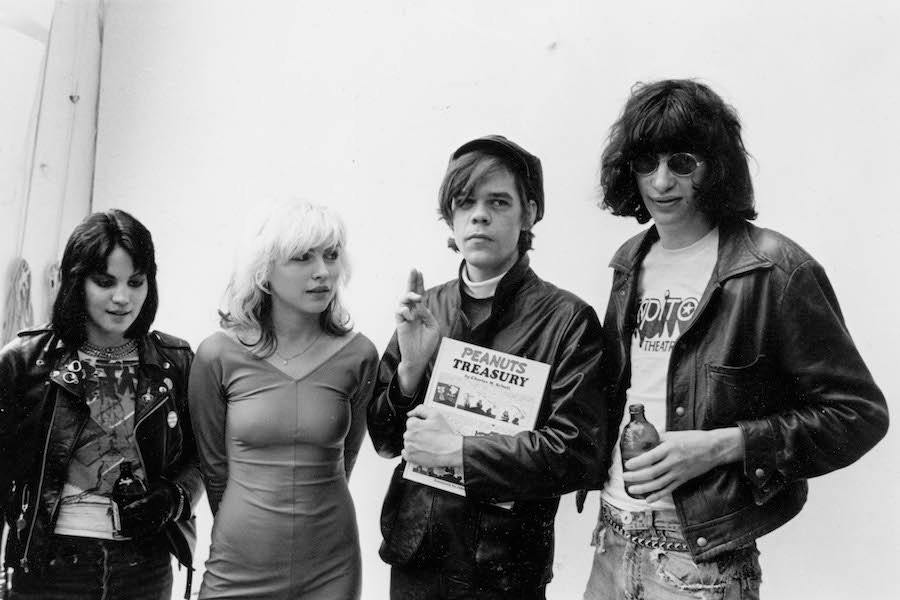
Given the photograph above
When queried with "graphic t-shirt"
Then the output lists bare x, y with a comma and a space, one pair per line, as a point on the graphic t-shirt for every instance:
110, 390
670, 285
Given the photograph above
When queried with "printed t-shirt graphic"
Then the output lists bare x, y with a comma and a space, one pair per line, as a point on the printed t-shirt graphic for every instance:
670, 285
110, 390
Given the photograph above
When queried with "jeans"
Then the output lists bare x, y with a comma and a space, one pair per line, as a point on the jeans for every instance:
626, 567
410, 583
92, 569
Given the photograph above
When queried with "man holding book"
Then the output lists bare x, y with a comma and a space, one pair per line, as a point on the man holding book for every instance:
442, 545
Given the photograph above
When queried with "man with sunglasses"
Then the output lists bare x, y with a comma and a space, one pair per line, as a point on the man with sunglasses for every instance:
731, 337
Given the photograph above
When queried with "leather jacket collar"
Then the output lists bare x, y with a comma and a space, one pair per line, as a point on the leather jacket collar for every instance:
737, 252
515, 280
509, 285
67, 372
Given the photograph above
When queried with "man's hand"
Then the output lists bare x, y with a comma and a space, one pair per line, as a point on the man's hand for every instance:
680, 457
418, 334
430, 441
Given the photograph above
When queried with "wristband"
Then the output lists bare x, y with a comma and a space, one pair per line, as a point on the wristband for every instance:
181, 502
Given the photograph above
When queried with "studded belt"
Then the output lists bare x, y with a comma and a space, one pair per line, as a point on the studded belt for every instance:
642, 537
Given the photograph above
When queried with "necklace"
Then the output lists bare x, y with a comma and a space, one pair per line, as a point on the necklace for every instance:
288, 359
110, 352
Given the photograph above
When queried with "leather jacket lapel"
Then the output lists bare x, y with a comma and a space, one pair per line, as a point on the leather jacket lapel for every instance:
68, 373
153, 385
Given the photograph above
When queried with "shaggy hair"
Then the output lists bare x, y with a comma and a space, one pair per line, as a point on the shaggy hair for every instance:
86, 253
678, 115
463, 176
290, 229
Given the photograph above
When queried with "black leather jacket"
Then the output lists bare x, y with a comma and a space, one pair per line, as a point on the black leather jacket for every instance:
530, 318
767, 351
42, 413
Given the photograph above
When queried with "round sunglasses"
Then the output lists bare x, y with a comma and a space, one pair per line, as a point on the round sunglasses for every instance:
680, 163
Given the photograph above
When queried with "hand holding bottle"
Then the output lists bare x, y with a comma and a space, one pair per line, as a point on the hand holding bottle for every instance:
139, 510
638, 437
126, 489
680, 457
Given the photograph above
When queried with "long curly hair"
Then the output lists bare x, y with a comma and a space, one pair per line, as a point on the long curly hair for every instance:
678, 115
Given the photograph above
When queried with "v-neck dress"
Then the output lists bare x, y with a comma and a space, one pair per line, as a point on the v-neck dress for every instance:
275, 453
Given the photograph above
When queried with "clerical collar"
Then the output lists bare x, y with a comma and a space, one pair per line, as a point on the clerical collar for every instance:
480, 289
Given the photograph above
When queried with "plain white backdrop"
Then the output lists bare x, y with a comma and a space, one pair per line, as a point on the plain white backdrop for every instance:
209, 110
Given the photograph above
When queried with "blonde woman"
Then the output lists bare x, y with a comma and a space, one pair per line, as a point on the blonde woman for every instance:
278, 398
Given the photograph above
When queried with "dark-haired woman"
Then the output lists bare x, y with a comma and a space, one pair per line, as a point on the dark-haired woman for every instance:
279, 400
79, 399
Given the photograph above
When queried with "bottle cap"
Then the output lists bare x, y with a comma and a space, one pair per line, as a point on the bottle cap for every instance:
636, 408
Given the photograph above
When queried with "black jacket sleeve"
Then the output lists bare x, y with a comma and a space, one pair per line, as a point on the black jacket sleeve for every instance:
387, 411
568, 447
186, 472
836, 412
7, 424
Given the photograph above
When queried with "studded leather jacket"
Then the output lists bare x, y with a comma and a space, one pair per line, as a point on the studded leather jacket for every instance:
42, 414
767, 351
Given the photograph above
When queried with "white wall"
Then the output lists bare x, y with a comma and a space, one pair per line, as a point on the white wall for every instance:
22, 25
209, 109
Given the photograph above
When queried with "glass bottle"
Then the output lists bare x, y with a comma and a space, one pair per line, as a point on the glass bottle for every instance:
638, 436
127, 488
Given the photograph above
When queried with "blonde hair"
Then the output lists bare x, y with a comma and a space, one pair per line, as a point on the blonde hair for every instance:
290, 229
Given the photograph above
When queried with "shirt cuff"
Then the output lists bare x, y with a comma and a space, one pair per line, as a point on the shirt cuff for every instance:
400, 401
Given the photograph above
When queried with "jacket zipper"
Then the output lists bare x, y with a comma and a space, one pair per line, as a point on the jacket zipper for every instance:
23, 562
21, 524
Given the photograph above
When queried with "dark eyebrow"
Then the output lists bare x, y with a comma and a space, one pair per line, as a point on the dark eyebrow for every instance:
111, 276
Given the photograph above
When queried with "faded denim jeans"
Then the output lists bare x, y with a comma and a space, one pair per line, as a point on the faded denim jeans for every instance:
625, 569
88, 569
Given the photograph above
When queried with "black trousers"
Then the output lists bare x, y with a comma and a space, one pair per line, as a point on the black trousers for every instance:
91, 569
411, 583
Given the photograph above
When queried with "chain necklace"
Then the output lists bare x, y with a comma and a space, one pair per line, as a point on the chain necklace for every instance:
288, 359
110, 352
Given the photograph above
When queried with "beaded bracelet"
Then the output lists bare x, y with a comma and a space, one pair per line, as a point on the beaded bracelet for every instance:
181, 496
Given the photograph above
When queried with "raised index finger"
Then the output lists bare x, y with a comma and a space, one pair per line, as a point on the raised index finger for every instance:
415, 283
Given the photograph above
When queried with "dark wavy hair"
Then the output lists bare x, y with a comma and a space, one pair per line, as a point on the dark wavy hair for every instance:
678, 115
464, 174
86, 253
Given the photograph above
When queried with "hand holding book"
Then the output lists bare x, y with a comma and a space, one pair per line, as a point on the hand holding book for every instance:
430, 441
